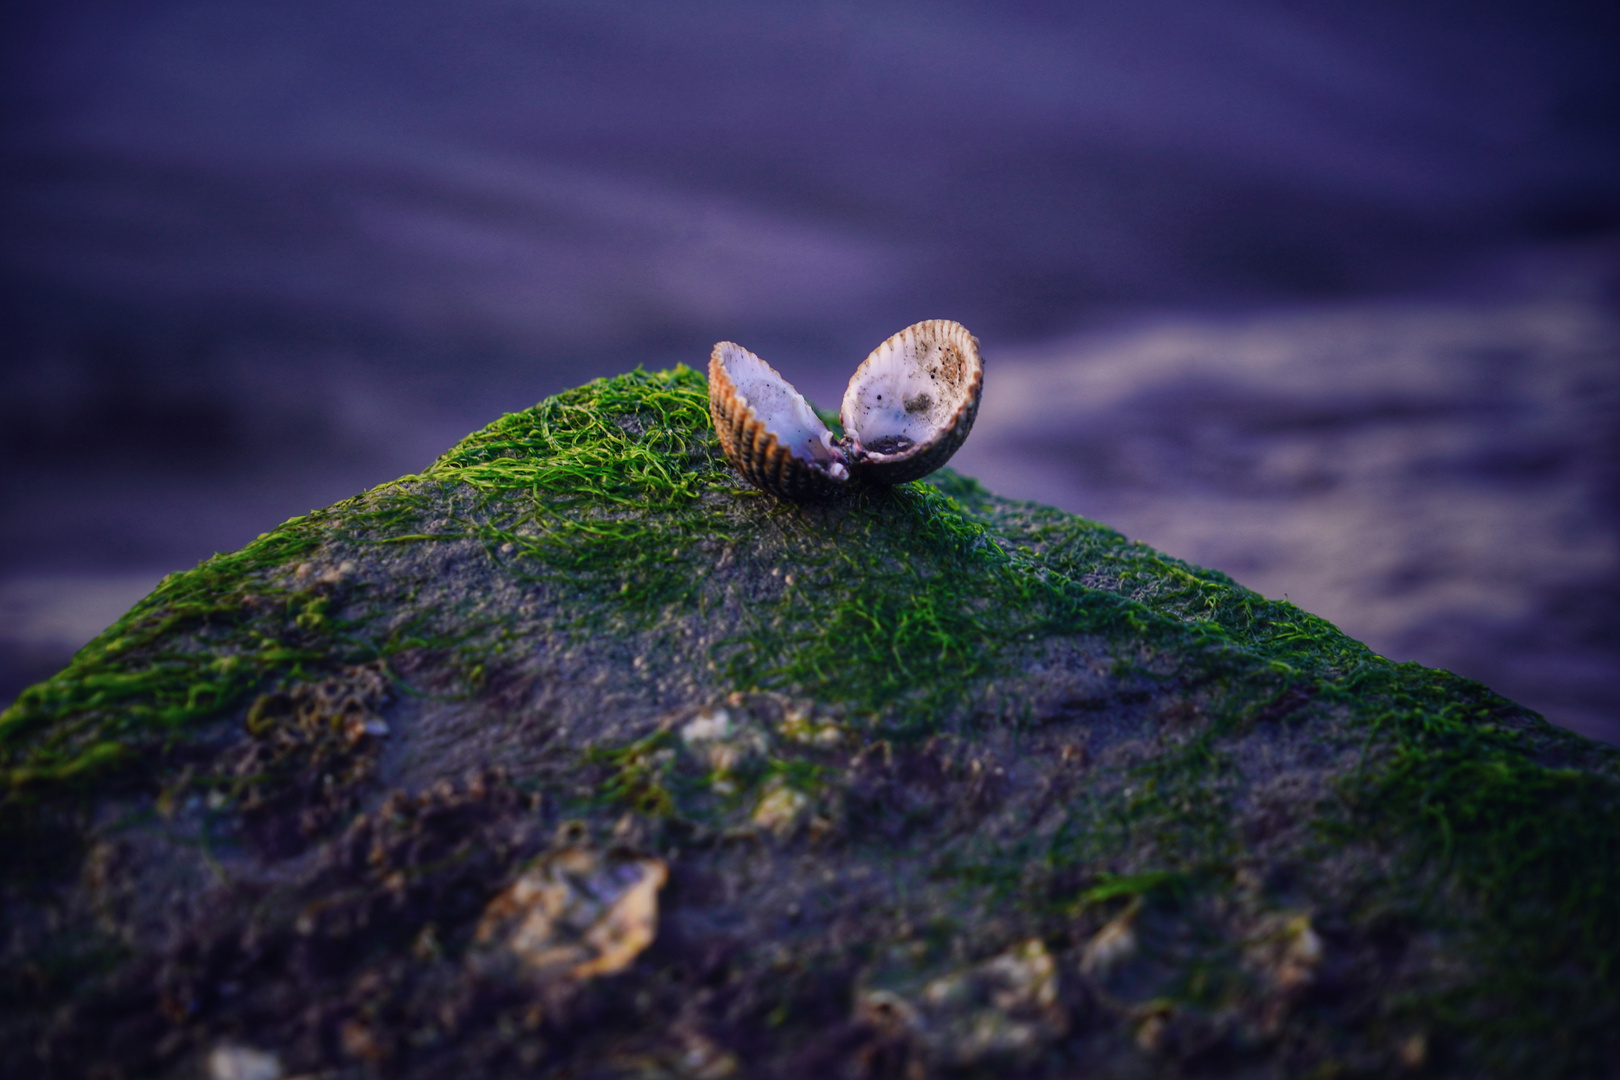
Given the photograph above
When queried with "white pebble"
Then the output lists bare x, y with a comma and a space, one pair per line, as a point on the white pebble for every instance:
227, 1062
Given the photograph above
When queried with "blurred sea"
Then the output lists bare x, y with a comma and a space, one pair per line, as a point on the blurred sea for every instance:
1322, 296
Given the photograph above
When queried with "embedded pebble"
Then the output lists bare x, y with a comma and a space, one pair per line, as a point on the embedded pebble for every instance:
228, 1061
1110, 947
723, 744
707, 727
578, 913
1288, 949
781, 809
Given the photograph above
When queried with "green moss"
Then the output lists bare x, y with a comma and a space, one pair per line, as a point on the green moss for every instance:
595, 487
1534, 853
142, 677
638, 776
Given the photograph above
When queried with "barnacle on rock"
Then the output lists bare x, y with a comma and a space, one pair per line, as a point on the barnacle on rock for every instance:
907, 409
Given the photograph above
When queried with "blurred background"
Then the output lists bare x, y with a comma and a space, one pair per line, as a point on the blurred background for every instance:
1326, 296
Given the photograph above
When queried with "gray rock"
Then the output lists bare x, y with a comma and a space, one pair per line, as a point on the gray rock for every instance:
574, 755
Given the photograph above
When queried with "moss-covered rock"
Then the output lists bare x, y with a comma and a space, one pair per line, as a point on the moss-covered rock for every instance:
575, 756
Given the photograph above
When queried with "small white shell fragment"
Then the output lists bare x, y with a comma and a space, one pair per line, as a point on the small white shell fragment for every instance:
723, 743
228, 1061
1110, 947
707, 727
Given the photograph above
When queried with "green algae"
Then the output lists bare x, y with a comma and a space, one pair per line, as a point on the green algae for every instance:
898, 606
132, 680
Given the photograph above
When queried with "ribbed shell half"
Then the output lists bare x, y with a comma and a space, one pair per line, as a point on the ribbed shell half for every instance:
908, 407
768, 430
912, 402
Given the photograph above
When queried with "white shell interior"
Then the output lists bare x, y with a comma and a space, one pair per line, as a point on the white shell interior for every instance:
906, 392
783, 410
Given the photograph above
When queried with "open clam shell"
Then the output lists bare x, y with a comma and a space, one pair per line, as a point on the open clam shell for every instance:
907, 409
768, 430
912, 402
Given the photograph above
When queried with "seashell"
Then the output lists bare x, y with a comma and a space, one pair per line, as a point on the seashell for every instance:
908, 408
768, 430
912, 402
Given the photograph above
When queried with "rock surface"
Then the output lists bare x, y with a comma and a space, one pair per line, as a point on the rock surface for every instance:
575, 756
